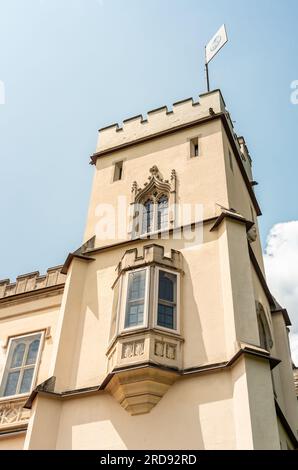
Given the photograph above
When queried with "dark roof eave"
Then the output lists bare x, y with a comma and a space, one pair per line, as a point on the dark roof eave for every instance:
69, 259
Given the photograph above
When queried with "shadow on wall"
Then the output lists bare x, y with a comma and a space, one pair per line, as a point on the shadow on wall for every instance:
203, 406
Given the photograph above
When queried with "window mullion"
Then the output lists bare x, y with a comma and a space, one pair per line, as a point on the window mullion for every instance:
25, 354
19, 381
154, 221
18, 387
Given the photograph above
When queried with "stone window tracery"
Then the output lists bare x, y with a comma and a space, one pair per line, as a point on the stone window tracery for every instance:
152, 204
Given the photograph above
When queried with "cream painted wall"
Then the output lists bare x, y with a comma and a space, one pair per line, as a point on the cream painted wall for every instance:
87, 309
43, 424
205, 410
239, 198
26, 317
15, 442
21, 318
199, 180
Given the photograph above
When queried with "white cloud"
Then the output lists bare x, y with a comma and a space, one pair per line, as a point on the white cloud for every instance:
281, 264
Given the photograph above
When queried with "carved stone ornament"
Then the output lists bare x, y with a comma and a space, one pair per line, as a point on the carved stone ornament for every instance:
252, 234
12, 414
139, 390
133, 349
155, 186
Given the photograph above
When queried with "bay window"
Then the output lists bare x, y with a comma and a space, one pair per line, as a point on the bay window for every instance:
133, 305
149, 297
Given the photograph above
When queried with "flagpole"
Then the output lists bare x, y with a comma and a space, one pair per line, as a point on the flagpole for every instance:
207, 77
207, 72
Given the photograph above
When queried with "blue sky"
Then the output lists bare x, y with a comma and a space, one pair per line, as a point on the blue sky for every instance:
72, 66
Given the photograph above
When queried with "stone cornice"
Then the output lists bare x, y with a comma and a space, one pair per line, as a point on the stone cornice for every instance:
87, 255
249, 350
227, 213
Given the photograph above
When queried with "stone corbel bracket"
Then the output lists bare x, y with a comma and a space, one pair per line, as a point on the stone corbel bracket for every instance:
139, 390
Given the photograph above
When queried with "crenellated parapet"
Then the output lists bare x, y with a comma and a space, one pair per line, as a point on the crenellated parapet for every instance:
152, 254
159, 120
31, 282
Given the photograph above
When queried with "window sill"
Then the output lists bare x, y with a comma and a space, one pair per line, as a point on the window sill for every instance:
13, 398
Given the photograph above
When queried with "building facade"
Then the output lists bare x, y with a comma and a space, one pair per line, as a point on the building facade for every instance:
160, 331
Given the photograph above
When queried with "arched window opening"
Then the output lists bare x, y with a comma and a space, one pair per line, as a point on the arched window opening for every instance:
264, 329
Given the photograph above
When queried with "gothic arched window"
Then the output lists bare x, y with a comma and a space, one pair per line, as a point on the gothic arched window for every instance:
162, 213
153, 204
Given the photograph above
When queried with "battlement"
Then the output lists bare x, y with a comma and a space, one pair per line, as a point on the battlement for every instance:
159, 120
31, 282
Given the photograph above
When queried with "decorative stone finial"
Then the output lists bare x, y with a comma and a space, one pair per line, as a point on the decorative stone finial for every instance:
155, 173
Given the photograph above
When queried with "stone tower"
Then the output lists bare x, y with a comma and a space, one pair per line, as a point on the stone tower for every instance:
167, 336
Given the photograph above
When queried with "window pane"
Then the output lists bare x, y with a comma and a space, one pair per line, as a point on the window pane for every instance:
11, 383
26, 380
147, 224
166, 316
32, 352
136, 285
167, 295
167, 286
134, 315
18, 354
135, 299
162, 213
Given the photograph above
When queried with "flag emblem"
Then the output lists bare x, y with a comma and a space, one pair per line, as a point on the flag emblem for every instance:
216, 43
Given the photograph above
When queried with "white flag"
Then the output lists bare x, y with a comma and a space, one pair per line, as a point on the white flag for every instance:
217, 42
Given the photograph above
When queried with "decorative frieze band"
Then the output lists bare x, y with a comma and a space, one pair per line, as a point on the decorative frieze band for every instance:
12, 414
